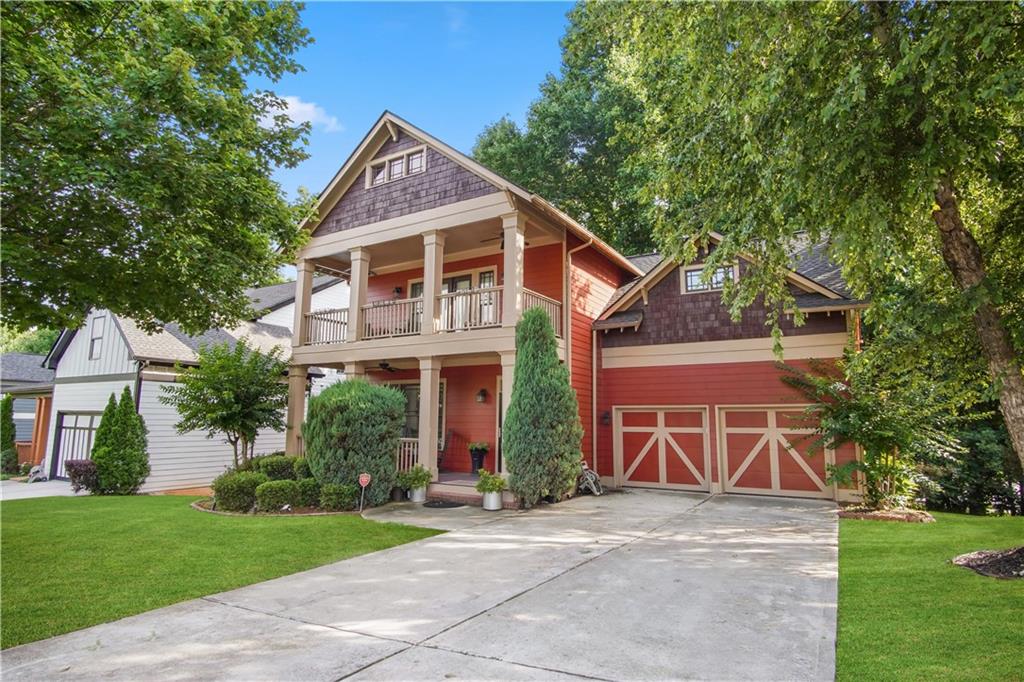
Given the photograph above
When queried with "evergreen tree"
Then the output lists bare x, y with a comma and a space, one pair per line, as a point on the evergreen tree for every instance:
8, 451
106, 431
122, 463
542, 435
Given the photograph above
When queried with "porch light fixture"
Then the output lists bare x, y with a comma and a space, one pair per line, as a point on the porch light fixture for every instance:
481, 396
606, 418
397, 291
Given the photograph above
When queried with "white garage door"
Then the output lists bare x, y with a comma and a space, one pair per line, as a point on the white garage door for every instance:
768, 451
73, 439
662, 447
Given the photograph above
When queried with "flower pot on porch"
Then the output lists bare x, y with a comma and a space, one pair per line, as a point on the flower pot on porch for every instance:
418, 494
477, 452
492, 501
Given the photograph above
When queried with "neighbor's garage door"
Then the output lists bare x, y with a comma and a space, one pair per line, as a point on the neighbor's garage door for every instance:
662, 447
73, 439
767, 451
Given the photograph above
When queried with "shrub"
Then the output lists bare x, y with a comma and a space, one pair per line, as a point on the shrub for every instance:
8, 450
122, 463
236, 490
416, 477
354, 427
301, 468
82, 473
542, 435
274, 495
309, 492
338, 496
278, 467
490, 483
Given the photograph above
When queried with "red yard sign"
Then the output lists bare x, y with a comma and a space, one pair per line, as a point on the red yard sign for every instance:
364, 480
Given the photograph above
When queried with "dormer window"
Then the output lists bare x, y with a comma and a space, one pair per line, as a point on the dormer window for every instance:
693, 279
96, 337
396, 166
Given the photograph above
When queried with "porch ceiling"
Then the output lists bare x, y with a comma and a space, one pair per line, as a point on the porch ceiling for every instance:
401, 364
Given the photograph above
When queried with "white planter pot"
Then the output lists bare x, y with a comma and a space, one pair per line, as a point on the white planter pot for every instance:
418, 495
492, 501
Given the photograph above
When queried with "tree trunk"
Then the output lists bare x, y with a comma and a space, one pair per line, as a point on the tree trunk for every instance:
963, 258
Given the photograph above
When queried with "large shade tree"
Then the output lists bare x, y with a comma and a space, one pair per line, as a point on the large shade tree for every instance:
137, 159
894, 130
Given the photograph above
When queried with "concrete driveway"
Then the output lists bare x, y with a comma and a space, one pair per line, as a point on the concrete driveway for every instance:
19, 490
640, 585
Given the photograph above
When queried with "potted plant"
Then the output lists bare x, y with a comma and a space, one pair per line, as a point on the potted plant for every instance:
491, 485
415, 480
477, 452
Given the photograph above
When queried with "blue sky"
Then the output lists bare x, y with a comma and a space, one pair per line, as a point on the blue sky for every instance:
449, 68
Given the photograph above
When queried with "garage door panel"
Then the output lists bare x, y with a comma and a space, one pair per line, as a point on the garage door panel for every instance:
645, 419
745, 418
640, 461
684, 458
684, 419
662, 447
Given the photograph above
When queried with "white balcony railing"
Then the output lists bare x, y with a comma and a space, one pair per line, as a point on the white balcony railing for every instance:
400, 317
531, 299
326, 326
408, 453
470, 309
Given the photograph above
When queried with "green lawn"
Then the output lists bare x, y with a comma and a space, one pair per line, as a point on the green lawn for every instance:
68, 563
906, 613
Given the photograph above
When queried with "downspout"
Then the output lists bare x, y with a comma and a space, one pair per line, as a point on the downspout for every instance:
138, 383
568, 308
593, 400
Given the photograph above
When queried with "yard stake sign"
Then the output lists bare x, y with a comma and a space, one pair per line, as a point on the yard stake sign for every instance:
364, 480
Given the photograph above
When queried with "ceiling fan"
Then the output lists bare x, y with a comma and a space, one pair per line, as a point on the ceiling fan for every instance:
501, 241
386, 366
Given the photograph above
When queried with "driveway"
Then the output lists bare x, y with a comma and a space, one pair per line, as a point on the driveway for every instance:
639, 585
19, 490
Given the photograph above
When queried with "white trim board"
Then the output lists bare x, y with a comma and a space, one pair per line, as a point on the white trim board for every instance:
715, 352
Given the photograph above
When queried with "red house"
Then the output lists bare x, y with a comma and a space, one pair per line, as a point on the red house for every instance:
443, 255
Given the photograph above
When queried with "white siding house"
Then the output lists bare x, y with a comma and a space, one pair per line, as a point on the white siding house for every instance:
109, 353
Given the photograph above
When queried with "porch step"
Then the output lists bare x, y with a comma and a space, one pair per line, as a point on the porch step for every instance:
466, 494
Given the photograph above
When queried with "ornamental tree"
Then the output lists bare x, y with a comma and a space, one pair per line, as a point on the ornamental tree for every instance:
541, 434
234, 391
137, 159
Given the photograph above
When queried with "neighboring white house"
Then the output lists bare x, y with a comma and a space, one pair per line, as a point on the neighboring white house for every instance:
110, 352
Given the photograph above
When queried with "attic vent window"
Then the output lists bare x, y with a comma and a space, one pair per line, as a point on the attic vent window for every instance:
396, 166
692, 282
96, 337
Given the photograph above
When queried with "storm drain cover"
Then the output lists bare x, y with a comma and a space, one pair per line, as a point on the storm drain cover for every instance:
442, 504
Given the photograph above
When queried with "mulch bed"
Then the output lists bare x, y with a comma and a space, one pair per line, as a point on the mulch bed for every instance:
903, 515
1006, 563
207, 506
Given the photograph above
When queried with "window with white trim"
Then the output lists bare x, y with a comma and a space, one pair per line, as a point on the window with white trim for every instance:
693, 281
96, 337
396, 167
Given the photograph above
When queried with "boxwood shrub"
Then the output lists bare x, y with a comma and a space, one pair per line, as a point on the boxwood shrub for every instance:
273, 495
338, 496
309, 492
236, 490
353, 427
278, 467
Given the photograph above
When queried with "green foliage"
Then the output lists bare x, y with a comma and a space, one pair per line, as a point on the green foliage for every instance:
272, 496
479, 446
138, 157
107, 432
490, 483
414, 478
353, 427
35, 340
122, 462
339, 496
300, 468
8, 450
309, 492
542, 435
82, 475
236, 490
278, 467
234, 391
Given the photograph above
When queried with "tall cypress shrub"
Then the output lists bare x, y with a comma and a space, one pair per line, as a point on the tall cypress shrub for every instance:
8, 450
353, 427
541, 435
122, 462
106, 431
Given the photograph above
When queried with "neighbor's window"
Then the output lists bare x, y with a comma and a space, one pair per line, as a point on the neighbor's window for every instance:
396, 167
96, 337
694, 283
414, 162
377, 174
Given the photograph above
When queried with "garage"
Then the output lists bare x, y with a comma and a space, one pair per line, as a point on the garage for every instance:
767, 451
74, 436
662, 447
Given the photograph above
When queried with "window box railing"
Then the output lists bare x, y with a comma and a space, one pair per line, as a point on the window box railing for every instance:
531, 299
326, 326
470, 309
400, 317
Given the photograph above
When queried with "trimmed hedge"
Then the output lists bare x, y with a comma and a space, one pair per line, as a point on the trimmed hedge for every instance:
301, 468
236, 490
309, 492
353, 427
278, 467
338, 496
272, 496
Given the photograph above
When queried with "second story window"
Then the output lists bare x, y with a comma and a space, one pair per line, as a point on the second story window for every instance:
396, 166
693, 279
96, 337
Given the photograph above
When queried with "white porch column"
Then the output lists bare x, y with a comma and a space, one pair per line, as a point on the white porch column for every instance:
433, 265
513, 227
430, 393
355, 370
303, 300
358, 276
296, 409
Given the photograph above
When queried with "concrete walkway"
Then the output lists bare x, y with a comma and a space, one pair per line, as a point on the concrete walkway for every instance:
641, 585
19, 490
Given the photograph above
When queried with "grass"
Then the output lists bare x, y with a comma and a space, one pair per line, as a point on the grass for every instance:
906, 613
68, 563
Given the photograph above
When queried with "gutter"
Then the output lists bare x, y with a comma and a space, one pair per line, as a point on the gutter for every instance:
138, 383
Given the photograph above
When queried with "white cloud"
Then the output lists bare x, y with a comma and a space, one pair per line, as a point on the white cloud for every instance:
300, 111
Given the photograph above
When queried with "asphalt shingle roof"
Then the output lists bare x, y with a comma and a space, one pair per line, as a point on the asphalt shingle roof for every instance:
24, 367
269, 298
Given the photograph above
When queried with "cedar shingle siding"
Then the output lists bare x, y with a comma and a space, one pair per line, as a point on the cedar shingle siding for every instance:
673, 317
444, 182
